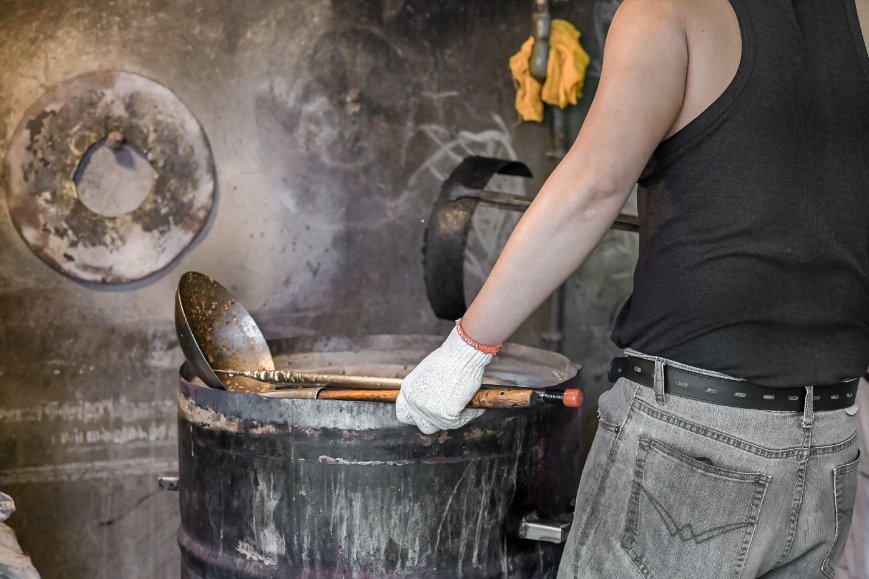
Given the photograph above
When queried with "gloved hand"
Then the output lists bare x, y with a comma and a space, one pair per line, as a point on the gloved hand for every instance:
435, 393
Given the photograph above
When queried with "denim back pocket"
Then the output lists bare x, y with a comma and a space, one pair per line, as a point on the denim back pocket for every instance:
687, 518
845, 494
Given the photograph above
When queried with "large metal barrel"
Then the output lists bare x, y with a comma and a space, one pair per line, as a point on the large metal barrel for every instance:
322, 489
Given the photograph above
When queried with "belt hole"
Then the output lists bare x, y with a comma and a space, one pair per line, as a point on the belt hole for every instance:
834, 397
793, 397
768, 396
816, 397
740, 394
710, 390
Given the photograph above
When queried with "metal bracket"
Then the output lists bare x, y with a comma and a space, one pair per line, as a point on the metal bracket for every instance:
446, 234
550, 531
168, 482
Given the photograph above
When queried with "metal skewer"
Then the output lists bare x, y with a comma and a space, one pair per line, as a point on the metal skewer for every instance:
291, 378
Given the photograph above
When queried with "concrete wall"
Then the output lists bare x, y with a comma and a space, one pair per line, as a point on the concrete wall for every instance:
317, 227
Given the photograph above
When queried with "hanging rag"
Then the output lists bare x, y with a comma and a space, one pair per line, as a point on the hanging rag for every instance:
565, 73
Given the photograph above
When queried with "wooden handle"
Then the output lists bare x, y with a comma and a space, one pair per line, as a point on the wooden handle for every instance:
358, 395
503, 398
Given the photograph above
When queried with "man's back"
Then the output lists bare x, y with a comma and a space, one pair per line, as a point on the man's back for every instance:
754, 250
713, 38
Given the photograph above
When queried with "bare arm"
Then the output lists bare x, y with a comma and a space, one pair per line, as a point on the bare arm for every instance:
638, 99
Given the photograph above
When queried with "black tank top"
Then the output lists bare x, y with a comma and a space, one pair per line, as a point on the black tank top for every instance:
754, 218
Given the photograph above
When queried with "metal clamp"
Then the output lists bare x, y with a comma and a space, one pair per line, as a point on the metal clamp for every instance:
168, 482
550, 531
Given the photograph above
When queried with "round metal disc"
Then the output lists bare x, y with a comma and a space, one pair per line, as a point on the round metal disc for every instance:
48, 146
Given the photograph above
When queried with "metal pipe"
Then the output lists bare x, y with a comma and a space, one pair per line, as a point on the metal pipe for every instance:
624, 221
541, 21
293, 378
554, 334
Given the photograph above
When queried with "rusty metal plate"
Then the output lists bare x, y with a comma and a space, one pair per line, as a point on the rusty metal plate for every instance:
47, 149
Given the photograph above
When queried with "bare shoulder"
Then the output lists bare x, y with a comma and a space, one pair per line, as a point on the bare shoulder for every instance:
714, 44
660, 69
702, 36
658, 25
703, 13
670, 13
691, 21
677, 12
690, 16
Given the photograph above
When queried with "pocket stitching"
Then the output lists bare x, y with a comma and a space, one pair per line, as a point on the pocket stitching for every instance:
761, 483
737, 442
838, 473
727, 474
585, 528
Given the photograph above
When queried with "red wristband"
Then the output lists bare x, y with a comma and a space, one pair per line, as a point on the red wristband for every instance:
474, 343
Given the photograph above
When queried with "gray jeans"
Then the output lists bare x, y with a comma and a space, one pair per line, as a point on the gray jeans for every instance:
677, 488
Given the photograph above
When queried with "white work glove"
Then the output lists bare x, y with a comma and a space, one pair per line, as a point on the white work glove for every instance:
434, 395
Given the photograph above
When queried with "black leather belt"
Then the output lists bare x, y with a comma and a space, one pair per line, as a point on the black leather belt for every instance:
733, 392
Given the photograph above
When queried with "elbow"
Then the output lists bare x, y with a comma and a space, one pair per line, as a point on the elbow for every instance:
606, 190
597, 200
576, 193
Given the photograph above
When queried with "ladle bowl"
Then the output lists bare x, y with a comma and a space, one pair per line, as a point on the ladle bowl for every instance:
216, 331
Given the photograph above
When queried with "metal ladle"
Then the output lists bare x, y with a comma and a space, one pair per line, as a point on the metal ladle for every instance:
216, 331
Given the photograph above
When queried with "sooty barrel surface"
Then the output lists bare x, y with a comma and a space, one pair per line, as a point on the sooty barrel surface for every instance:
317, 488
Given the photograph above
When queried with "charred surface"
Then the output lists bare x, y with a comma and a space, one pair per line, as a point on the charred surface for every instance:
309, 488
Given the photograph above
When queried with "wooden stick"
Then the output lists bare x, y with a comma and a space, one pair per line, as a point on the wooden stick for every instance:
486, 398
504, 398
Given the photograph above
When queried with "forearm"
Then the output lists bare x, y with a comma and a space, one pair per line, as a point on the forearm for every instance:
562, 227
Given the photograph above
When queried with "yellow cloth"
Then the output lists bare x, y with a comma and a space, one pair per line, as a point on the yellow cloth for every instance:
565, 73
